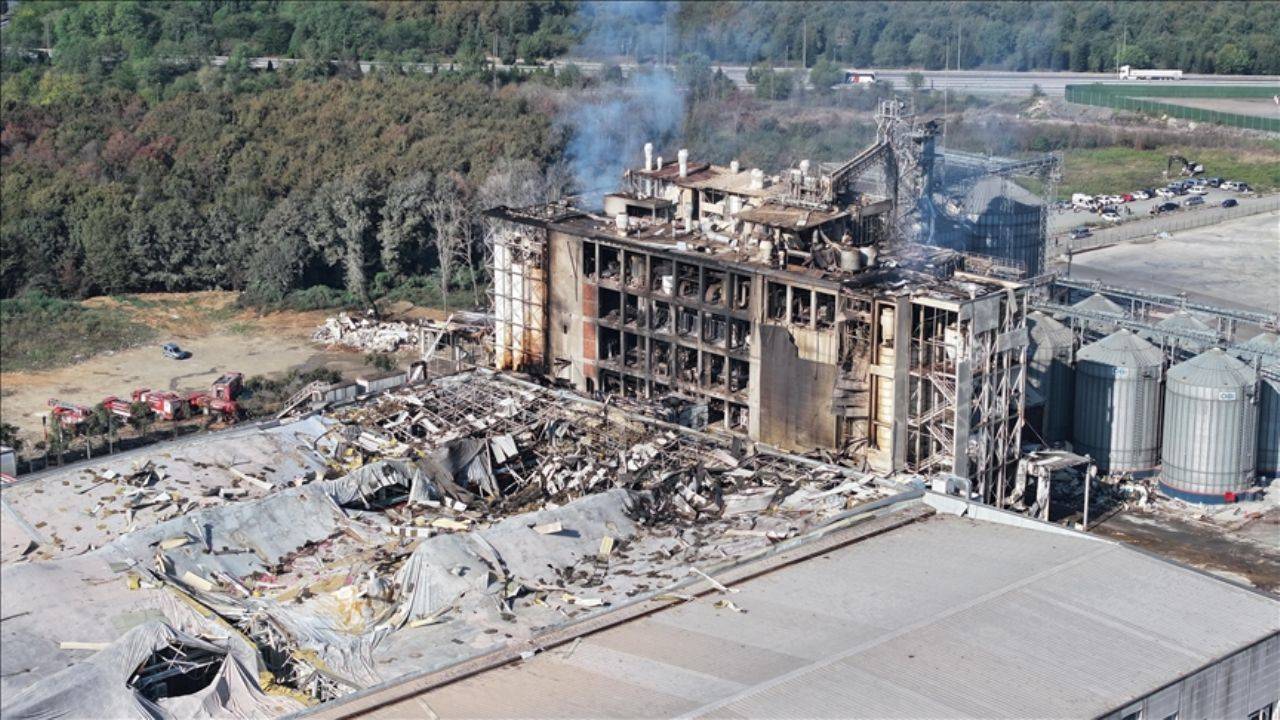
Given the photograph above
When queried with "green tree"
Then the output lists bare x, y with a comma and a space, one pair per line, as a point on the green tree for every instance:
915, 81
1231, 59
405, 227
825, 74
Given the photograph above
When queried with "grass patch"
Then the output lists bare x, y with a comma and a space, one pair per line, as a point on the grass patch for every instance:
1117, 169
38, 332
241, 328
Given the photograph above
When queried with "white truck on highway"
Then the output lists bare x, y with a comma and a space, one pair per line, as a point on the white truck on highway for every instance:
1130, 73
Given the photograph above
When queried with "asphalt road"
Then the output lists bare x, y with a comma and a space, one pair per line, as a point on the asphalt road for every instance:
972, 81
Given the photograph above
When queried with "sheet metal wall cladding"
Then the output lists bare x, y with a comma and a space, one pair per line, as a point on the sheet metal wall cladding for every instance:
1210, 426
1049, 372
1117, 402
1269, 424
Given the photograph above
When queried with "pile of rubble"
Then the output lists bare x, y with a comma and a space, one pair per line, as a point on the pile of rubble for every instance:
439, 522
365, 334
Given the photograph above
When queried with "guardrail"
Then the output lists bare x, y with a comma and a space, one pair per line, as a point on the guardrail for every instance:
1166, 222
1135, 98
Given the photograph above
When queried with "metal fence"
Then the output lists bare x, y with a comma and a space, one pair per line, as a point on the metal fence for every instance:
1169, 222
1136, 99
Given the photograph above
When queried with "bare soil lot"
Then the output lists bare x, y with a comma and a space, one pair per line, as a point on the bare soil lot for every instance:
220, 337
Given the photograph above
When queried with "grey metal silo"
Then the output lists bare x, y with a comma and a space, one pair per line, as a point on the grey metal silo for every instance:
1102, 305
1210, 427
1116, 417
1183, 321
1269, 421
1049, 382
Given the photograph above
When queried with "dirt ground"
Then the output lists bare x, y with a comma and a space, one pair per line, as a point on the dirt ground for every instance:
220, 337
1260, 107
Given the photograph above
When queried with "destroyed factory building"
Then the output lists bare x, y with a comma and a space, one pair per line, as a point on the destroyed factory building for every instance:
875, 307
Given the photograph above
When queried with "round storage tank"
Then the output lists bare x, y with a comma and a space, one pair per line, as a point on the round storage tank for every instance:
1116, 417
1269, 421
1102, 305
1049, 381
1210, 427
1185, 321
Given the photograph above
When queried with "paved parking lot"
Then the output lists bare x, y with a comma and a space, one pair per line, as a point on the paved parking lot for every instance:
1061, 221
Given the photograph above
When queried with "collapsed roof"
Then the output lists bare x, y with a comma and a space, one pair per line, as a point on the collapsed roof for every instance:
393, 536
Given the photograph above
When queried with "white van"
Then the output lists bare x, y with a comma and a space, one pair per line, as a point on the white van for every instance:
1081, 200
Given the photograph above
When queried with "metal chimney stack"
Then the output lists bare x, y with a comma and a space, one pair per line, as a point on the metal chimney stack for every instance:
683, 157
648, 157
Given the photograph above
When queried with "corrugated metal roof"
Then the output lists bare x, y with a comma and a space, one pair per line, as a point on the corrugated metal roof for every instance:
1122, 349
1212, 368
946, 617
1098, 302
1183, 320
1047, 332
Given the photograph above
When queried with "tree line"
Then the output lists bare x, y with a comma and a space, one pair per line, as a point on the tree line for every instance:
1088, 35
341, 182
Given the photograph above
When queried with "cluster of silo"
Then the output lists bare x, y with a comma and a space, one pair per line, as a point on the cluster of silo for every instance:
1211, 422
1050, 354
1210, 428
1116, 417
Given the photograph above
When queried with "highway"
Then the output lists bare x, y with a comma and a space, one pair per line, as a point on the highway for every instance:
969, 81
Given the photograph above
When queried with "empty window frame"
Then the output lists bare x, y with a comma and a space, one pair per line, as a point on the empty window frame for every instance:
741, 292
687, 323
686, 364
715, 329
776, 301
610, 263
662, 276
609, 305
739, 416
713, 371
610, 344
801, 306
739, 375
634, 270
688, 280
661, 321
632, 351
630, 310
825, 310
660, 358
589, 260
716, 290
739, 334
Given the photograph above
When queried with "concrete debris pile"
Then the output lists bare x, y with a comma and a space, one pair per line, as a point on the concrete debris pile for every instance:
467, 516
365, 334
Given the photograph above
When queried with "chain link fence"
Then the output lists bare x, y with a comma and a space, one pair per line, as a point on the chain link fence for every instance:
1167, 222
1136, 99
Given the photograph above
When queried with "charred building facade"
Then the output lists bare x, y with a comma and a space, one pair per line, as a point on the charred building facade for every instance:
804, 310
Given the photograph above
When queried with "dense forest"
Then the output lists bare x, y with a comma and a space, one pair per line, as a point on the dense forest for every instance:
131, 164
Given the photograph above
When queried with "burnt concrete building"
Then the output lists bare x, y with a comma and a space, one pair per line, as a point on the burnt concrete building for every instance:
804, 310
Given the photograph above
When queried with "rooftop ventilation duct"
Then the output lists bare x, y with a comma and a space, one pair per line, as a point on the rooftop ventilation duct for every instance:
648, 157
683, 157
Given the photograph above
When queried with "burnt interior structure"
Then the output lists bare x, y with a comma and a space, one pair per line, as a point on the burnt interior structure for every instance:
855, 307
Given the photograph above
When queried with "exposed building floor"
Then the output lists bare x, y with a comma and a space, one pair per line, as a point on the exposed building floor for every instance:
1234, 264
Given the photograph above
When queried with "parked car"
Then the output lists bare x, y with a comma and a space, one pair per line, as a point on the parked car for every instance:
1165, 192
1242, 187
1213, 181
1111, 216
1128, 197
171, 350
1164, 207
1080, 233
1141, 195
1193, 201
1199, 190
1229, 202
1229, 185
